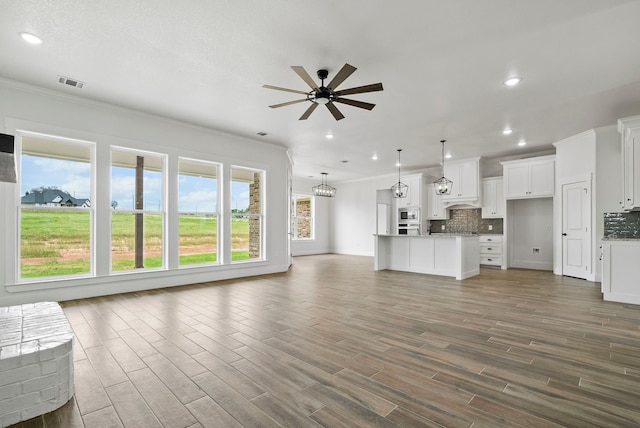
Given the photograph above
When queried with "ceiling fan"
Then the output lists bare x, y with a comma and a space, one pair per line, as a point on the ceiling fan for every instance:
327, 95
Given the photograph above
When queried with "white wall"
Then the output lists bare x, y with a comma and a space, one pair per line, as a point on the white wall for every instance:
531, 226
592, 155
353, 218
322, 207
38, 110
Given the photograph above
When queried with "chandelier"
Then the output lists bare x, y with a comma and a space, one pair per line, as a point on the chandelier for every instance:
443, 185
324, 189
399, 190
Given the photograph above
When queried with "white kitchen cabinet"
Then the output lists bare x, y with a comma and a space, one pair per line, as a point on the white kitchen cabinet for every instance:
493, 202
630, 130
620, 271
465, 175
529, 178
414, 192
434, 208
491, 250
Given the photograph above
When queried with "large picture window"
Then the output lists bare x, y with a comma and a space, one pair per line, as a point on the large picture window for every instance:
198, 212
247, 217
56, 218
302, 216
138, 210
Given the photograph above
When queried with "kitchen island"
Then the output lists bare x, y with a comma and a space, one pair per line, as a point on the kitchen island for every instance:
456, 255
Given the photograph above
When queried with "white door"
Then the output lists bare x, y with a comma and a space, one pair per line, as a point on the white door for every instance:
576, 229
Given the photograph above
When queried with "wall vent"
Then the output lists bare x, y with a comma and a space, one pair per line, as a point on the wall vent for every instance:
262, 134
70, 82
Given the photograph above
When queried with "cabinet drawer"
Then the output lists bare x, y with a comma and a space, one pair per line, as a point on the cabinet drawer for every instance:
490, 248
489, 260
490, 238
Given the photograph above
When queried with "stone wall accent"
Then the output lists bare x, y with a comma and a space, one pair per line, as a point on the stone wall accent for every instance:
255, 207
468, 221
36, 361
622, 225
303, 214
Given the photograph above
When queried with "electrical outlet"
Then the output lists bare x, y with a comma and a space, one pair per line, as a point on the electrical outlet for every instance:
442, 227
535, 250
490, 227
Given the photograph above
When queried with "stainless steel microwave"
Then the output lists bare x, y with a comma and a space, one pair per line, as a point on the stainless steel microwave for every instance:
408, 214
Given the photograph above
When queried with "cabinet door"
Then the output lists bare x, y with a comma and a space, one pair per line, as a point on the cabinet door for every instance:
488, 198
413, 192
516, 181
453, 173
434, 207
541, 178
501, 206
469, 186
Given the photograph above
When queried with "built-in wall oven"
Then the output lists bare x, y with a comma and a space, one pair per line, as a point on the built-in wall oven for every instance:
408, 229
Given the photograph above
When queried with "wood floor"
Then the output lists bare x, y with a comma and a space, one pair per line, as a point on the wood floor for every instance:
333, 343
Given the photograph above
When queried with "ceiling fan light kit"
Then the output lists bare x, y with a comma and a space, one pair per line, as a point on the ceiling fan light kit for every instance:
443, 185
399, 190
324, 189
327, 95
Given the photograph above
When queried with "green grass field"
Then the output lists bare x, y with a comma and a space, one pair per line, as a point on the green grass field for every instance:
57, 243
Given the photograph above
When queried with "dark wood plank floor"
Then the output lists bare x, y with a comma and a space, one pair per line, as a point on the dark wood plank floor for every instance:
333, 343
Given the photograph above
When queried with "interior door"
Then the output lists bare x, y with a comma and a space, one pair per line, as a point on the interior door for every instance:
576, 229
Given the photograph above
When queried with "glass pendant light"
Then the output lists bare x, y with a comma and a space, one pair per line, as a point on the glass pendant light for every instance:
443, 185
324, 189
399, 190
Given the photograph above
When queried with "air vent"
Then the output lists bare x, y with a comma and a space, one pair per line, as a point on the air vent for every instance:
70, 82
262, 134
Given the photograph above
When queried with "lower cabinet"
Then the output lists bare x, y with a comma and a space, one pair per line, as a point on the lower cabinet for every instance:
491, 250
621, 270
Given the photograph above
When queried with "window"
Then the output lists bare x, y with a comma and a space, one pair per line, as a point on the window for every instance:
246, 214
198, 212
56, 218
138, 210
302, 217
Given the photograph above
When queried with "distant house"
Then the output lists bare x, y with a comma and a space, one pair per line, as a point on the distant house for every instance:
53, 198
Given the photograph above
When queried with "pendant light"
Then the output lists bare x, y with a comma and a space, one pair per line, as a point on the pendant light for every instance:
399, 190
443, 185
324, 189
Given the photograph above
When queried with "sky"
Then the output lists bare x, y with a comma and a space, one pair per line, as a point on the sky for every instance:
196, 194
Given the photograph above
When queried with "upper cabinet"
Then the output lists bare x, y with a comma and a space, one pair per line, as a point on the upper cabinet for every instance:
465, 175
529, 178
493, 202
414, 193
434, 208
630, 130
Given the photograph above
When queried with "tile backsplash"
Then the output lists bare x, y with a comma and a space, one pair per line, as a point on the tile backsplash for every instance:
622, 225
467, 221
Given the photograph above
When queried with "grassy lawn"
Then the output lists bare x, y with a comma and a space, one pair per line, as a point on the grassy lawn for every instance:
57, 242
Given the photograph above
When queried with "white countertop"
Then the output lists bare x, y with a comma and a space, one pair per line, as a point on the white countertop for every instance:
434, 235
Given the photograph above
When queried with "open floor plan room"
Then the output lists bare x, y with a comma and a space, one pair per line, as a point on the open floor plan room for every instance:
334, 343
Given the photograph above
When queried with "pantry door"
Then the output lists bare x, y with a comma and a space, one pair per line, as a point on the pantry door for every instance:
576, 229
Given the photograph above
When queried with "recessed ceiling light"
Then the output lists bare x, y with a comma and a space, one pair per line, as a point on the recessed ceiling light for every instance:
31, 38
374, 157
329, 136
507, 131
512, 81
448, 156
522, 143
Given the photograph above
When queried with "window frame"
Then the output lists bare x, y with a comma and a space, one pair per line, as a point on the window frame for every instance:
217, 213
163, 211
311, 217
261, 216
91, 209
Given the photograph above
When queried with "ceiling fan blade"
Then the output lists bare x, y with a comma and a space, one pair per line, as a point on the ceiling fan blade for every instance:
288, 103
360, 89
300, 71
344, 72
278, 88
308, 112
354, 103
334, 111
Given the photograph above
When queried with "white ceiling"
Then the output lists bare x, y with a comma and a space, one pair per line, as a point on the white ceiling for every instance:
442, 64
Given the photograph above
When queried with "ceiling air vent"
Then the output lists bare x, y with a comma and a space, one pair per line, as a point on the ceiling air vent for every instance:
262, 134
70, 82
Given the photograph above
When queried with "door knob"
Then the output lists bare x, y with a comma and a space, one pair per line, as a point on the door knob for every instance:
564, 234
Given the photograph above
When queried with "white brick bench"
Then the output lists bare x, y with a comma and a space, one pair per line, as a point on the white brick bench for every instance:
36, 361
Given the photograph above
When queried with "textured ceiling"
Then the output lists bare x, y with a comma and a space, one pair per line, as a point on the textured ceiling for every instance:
442, 65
